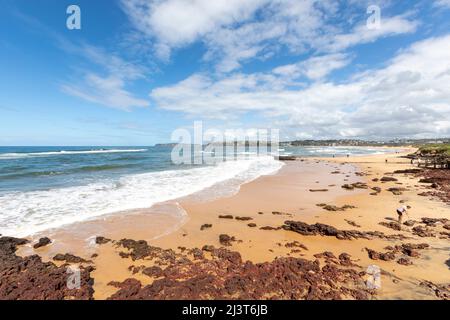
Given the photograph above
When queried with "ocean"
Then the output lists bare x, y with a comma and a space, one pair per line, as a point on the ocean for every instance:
48, 187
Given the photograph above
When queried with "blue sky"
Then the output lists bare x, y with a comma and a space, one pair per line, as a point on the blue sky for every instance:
139, 69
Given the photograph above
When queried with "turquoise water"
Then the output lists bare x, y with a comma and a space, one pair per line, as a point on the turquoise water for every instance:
37, 168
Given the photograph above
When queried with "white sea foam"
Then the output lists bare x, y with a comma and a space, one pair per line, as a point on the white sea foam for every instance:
64, 152
25, 213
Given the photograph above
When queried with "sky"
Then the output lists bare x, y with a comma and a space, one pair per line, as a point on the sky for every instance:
139, 69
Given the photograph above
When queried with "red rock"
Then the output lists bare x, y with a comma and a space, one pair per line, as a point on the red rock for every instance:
28, 278
42, 242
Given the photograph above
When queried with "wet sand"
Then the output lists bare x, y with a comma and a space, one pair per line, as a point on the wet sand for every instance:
291, 194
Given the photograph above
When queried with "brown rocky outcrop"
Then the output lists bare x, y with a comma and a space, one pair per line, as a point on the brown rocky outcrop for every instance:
327, 230
29, 278
226, 276
226, 240
42, 242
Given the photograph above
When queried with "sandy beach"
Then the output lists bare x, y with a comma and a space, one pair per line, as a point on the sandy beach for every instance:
253, 222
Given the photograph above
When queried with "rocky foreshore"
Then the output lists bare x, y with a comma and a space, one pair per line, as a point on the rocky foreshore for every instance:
207, 273
29, 278
438, 182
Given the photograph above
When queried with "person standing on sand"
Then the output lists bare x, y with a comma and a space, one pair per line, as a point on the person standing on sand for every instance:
400, 212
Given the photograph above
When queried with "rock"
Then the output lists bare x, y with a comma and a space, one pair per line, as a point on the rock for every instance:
329, 207
404, 261
42, 242
326, 230
444, 235
208, 248
197, 253
295, 244
205, 226
392, 225
423, 232
397, 191
252, 225
318, 190
102, 240
226, 240
345, 260
375, 179
411, 252
10, 244
439, 180
278, 213
409, 223
440, 291
227, 216
154, 271
374, 255
287, 158
352, 223
326, 254
226, 276
70, 258
356, 185
244, 218
429, 180
388, 179
360, 185
406, 171
431, 222
270, 228
376, 189
409, 248
138, 249
29, 278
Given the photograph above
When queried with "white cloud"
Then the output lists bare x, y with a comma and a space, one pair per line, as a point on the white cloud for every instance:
107, 91
112, 63
236, 31
314, 68
408, 97
361, 34
175, 23
443, 3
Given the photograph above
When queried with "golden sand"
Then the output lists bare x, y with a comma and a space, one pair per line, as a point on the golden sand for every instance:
288, 194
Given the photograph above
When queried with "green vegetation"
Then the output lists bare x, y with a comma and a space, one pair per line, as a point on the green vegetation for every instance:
435, 149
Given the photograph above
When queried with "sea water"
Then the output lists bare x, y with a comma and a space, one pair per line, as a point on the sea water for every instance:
48, 187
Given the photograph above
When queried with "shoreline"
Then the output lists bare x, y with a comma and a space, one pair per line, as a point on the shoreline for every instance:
116, 215
283, 196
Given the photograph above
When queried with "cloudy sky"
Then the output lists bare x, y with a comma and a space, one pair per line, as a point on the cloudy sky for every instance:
139, 69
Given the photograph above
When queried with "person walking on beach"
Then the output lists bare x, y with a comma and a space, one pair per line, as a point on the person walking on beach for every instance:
400, 212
